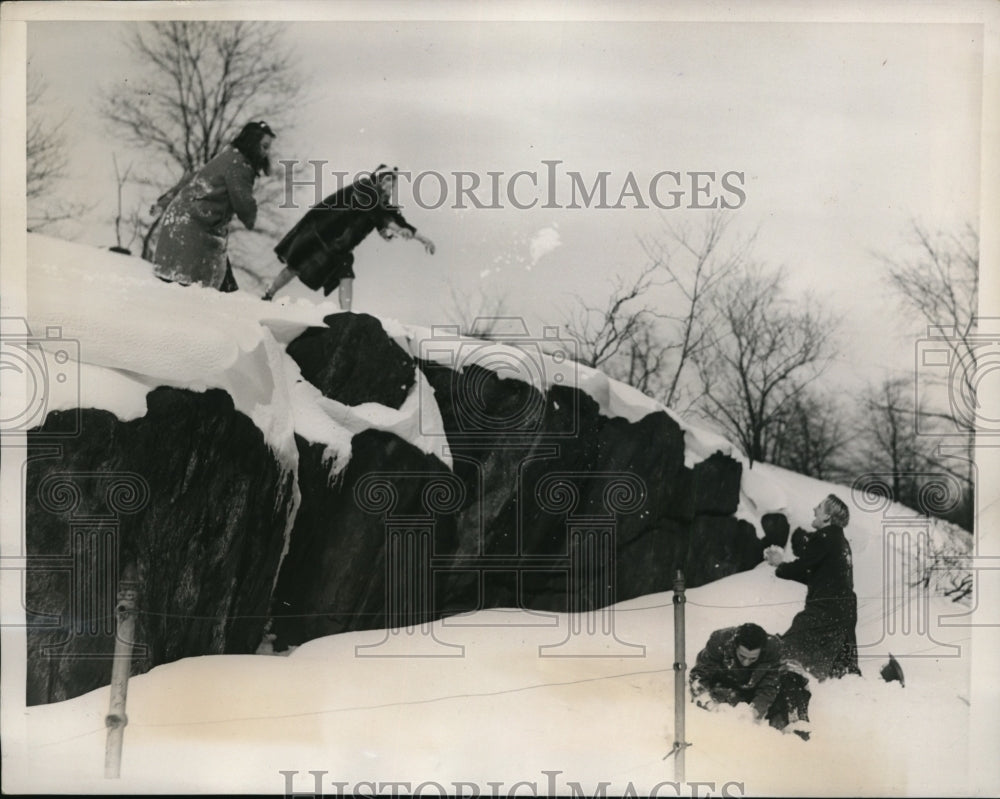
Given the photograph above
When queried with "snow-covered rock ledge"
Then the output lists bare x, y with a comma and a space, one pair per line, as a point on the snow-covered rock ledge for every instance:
280, 446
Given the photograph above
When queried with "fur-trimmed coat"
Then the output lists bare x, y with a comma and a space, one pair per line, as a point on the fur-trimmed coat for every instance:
191, 247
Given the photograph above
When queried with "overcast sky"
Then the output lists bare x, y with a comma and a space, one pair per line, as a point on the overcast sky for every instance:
842, 133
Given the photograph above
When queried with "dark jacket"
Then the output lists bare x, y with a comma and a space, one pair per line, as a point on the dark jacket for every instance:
822, 637
824, 564
338, 224
191, 247
718, 672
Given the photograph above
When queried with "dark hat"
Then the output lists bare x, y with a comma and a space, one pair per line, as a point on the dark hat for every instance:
382, 170
260, 126
893, 671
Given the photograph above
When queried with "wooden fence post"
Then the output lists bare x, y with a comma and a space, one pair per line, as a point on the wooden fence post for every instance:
125, 612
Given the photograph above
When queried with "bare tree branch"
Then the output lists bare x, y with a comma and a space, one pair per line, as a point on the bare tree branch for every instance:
652, 325
604, 331
480, 315
46, 163
764, 353
202, 82
941, 282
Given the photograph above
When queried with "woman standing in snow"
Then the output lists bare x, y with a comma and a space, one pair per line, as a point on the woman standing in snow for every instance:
822, 636
195, 227
318, 250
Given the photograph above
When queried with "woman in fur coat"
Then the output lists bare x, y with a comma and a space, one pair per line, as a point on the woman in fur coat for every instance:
195, 227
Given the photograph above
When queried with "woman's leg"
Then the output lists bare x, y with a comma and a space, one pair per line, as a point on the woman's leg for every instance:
284, 277
346, 293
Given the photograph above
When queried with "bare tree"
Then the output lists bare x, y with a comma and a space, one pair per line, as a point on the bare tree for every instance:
811, 437
46, 143
763, 353
652, 326
133, 220
202, 82
479, 314
605, 331
889, 437
46, 162
889, 443
941, 282
695, 264
644, 360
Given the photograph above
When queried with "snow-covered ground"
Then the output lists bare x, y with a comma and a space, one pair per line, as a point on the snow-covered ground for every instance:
504, 707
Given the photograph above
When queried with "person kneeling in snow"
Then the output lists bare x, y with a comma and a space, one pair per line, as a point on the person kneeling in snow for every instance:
822, 637
745, 664
318, 250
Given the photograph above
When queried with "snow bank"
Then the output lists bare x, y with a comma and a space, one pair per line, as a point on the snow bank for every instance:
507, 708
504, 706
135, 333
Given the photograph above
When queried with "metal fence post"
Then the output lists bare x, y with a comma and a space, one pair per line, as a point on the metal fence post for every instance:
680, 671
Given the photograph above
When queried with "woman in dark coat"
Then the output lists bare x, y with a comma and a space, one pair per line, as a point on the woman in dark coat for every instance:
318, 250
822, 636
191, 247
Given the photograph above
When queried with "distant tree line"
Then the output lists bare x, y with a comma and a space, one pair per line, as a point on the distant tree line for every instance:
732, 348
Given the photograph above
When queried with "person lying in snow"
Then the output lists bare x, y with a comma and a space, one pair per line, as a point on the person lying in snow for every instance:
194, 229
318, 250
745, 664
822, 637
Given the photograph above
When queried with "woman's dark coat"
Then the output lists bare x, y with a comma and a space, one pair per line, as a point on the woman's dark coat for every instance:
318, 249
822, 636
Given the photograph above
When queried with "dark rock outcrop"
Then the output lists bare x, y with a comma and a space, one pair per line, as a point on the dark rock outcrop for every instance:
719, 546
191, 495
716, 485
333, 578
353, 361
550, 505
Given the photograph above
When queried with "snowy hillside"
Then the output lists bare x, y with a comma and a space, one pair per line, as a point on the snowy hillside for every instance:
501, 701
132, 339
504, 711
137, 332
